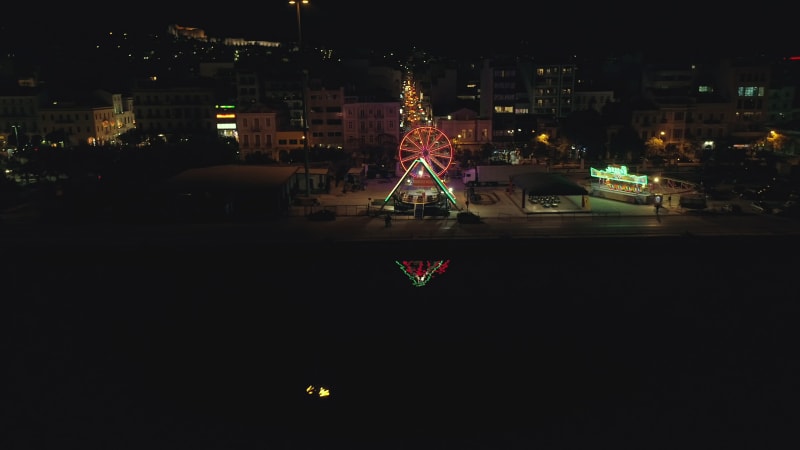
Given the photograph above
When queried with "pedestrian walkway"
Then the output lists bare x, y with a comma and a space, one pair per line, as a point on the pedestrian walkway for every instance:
503, 204
370, 201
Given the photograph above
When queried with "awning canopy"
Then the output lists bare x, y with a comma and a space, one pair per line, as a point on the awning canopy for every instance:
537, 183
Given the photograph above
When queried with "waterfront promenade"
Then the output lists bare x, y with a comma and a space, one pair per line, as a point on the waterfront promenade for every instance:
359, 216
496, 202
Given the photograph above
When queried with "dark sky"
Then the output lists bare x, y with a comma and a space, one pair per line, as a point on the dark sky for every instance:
448, 26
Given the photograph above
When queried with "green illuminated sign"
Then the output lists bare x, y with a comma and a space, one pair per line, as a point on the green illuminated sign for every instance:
618, 173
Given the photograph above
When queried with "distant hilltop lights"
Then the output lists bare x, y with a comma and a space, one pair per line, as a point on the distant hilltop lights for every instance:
200, 35
187, 32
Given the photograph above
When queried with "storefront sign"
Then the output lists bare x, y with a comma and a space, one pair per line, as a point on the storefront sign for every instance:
618, 173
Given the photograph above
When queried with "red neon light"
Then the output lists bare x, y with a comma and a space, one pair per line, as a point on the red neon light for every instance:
420, 272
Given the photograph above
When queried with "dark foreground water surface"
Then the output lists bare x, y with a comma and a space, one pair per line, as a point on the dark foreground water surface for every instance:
549, 343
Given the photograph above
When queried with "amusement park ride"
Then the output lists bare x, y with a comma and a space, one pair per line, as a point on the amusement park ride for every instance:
425, 154
421, 272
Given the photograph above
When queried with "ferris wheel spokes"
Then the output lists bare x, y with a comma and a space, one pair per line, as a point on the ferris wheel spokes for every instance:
427, 143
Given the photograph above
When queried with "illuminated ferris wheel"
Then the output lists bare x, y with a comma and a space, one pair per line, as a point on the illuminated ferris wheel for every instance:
427, 143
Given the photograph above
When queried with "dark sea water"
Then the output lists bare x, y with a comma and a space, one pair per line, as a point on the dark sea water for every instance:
548, 343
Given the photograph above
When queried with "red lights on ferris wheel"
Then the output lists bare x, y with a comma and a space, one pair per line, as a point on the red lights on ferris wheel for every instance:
430, 144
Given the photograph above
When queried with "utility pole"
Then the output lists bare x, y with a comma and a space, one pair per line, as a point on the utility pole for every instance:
304, 96
16, 134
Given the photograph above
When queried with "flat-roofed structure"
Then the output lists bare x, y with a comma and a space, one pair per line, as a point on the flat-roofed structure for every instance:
231, 192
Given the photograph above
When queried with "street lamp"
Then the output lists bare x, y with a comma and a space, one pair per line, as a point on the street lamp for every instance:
299, 24
16, 134
304, 118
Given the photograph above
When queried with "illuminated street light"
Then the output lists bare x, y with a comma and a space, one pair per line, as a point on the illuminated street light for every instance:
304, 118
299, 24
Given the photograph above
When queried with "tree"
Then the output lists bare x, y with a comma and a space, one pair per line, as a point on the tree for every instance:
58, 137
625, 141
586, 129
487, 150
776, 141
541, 146
655, 147
465, 157
132, 137
561, 149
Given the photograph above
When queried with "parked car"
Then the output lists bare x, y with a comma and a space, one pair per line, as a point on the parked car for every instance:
731, 208
761, 206
790, 208
749, 194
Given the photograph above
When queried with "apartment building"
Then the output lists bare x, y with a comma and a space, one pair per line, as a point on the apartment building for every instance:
19, 115
688, 105
371, 124
98, 118
326, 117
594, 100
553, 89
175, 109
257, 131
466, 130
698, 106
